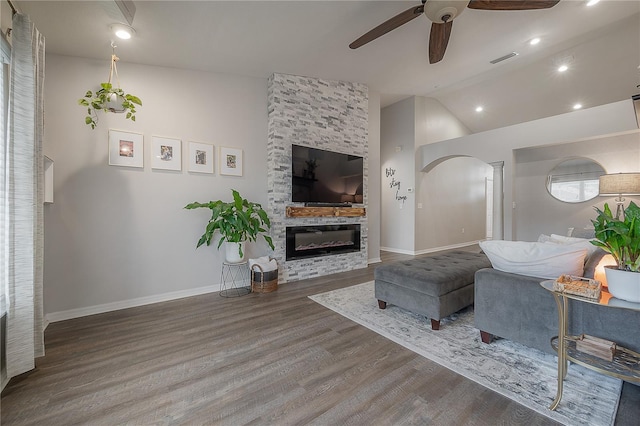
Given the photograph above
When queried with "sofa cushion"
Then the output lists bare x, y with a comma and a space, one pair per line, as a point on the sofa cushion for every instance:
535, 259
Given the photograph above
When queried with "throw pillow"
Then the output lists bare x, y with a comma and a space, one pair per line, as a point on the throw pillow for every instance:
578, 242
543, 238
582, 232
535, 259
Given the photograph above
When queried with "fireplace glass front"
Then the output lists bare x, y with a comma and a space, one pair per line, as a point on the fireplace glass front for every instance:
321, 240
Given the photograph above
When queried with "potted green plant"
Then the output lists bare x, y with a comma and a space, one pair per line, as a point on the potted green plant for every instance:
621, 238
109, 99
236, 222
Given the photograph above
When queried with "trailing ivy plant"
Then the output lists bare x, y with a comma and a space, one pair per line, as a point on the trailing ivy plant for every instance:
109, 99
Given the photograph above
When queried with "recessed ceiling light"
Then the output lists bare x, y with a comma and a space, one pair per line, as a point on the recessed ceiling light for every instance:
563, 68
534, 41
577, 106
479, 109
592, 2
122, 31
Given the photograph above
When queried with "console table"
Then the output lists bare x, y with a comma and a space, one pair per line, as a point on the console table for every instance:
625, 364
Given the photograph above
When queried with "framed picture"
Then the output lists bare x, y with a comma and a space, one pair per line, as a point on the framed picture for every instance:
230, 161
166, 153
200, 157
126, 149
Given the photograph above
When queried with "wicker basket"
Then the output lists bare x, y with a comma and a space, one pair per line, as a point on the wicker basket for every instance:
263, 282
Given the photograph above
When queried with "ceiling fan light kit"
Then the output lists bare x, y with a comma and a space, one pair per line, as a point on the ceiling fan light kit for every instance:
441, 13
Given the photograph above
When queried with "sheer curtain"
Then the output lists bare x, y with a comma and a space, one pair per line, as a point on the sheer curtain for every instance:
21, 200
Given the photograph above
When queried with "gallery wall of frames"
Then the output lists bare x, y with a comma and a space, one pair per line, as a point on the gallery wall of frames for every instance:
126, 149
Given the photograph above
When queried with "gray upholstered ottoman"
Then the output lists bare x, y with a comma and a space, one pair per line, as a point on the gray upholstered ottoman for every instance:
434, 286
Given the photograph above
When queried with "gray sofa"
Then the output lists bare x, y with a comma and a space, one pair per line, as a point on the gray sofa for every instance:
517, 308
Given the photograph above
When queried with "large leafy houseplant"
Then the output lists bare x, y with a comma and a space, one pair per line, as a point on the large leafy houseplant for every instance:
620, 238
237, 221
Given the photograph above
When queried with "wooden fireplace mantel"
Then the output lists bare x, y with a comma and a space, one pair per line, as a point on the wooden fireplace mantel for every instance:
293, 211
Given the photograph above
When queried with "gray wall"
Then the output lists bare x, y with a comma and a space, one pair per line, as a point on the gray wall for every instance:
452, 194
116, 236
119, 236
454, 205
435, 123
499, 144
405, 228
397, 146
537, 212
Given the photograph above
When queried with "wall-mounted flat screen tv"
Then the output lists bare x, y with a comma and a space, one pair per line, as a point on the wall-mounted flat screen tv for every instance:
324, 177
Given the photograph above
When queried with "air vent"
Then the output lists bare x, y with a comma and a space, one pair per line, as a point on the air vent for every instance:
504, 58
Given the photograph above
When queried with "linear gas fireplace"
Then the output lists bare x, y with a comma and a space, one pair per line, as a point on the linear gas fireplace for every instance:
321, 240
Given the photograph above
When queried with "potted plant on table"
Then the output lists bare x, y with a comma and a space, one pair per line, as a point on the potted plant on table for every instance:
236, 222
621, 238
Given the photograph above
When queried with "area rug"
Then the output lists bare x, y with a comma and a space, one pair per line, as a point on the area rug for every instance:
525, 375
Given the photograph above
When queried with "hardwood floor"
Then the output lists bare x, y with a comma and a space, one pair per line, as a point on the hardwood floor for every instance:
276, 358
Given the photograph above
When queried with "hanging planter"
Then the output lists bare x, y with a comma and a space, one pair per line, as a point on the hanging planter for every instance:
109, 98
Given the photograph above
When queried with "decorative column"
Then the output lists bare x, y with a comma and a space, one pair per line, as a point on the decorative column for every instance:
498, 200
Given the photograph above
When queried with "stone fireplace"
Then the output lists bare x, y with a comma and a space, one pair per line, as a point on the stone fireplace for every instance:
324, 114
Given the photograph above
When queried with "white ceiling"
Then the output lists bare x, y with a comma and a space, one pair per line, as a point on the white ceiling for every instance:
311, 38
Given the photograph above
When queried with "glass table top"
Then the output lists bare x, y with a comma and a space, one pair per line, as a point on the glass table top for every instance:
605, 299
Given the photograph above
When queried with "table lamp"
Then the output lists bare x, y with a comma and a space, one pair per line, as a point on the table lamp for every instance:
617, 185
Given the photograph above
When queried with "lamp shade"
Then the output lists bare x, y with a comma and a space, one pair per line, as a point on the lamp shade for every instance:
620, 184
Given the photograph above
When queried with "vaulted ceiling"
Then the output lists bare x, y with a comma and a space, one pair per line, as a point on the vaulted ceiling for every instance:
600, 44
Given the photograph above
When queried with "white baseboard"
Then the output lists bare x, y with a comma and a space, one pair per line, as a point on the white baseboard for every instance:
453, 246
130, 303
396, 250
429, 250
375, 260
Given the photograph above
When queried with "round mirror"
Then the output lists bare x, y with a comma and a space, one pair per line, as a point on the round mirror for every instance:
575, 180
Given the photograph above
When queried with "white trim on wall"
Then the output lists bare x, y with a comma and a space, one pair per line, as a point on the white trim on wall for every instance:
130, 303
429, 250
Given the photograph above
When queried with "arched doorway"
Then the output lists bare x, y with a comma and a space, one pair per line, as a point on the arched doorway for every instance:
459, 201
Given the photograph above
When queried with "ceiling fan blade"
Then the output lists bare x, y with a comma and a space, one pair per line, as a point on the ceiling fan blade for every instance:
391, 24
511, 4
438, 40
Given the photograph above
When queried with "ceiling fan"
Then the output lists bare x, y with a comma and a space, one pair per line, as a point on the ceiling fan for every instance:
441, 14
